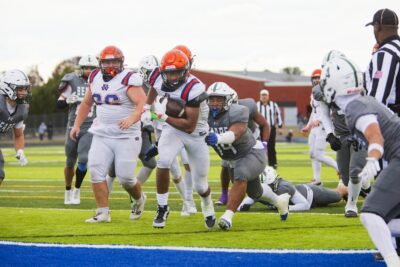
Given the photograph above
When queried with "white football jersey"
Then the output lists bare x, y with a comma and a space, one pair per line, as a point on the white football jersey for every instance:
188, 91
113, 104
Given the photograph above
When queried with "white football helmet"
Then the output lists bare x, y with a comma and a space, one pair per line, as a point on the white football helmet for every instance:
235, 97
269, 175
146, 65
88, 61
13, 80
330, 55
341, 77
223, 90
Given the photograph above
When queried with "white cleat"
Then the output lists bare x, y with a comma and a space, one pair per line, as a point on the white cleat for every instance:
224, 224
67, 197
282, 204
209, 215
188, 208
76, 196
100, 217
137, 209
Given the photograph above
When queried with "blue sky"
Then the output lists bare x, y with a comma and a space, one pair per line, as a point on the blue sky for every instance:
225, 34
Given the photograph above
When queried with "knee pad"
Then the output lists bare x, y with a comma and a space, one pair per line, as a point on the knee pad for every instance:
82, 166
201, 188
127, 183
151, 164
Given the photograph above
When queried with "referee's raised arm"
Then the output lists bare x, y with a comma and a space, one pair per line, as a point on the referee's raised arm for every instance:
383, 74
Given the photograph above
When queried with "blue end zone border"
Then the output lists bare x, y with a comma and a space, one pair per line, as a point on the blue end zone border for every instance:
40, 254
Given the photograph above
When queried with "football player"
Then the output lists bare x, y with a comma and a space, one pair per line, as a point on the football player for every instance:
316, 137
378, 128
119, 98
255, 122
302, 197
234, 142
350, 158
14, 107
72, 90
173, 80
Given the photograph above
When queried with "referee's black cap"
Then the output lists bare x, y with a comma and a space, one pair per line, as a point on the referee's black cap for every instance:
385, 17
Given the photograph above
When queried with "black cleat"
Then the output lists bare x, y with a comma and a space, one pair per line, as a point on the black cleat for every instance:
350, 214
245, 207
210, 222
161, 216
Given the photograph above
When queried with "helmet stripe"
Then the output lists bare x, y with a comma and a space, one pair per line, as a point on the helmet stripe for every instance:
353, 68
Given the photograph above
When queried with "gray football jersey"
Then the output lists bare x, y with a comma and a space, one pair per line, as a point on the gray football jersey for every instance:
252, 106
282, 186
242, 146
7, 120
389, 123
78, 87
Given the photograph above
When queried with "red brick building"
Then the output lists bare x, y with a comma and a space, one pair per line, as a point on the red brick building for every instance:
292, 93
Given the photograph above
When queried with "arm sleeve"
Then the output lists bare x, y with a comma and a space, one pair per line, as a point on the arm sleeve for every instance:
299, 201
364, 121
19, 125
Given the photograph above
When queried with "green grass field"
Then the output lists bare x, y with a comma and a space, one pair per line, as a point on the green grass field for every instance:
32, 210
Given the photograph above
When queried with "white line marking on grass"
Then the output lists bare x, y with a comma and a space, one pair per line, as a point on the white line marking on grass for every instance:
200, 249
252, 213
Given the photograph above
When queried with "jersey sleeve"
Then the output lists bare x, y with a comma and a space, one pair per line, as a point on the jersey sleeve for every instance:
132, 79
354, 110
238, 114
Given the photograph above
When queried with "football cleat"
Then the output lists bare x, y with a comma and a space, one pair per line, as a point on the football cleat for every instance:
161, 216
67, 197
316, 182
350, 214
209, 215
137, 209
188, 208
76, 196
244, 207
100, 217
224, 224
282, 204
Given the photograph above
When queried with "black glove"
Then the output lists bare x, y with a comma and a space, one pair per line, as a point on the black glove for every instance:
334, 142
151, 152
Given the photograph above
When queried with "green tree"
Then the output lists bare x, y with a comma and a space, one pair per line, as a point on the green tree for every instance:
292, 70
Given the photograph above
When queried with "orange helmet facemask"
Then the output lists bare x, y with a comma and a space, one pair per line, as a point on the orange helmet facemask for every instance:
174, 69
111, 62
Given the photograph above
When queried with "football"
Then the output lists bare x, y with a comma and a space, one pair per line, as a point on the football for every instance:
175, 108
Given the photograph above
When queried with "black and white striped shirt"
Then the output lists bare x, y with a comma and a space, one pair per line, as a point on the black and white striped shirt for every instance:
382, 79
271, 113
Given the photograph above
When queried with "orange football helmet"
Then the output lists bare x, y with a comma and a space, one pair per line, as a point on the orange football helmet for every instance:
111, 61
315, 76
174, 69
186, 51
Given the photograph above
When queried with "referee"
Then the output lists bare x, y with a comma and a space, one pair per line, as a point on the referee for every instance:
272, 115
382, 79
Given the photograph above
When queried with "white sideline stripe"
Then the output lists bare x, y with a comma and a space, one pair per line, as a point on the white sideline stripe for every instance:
202, 249
146, 211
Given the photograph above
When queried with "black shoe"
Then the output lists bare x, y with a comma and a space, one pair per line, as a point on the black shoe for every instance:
210, 222
378, 256
364, 192
161, 216
350, 214
245, 207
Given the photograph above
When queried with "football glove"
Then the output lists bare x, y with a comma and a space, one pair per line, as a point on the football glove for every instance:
21, 157
334, 142
72, 99
265, 145
370, 170
151, 152
211, 139
159, 116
